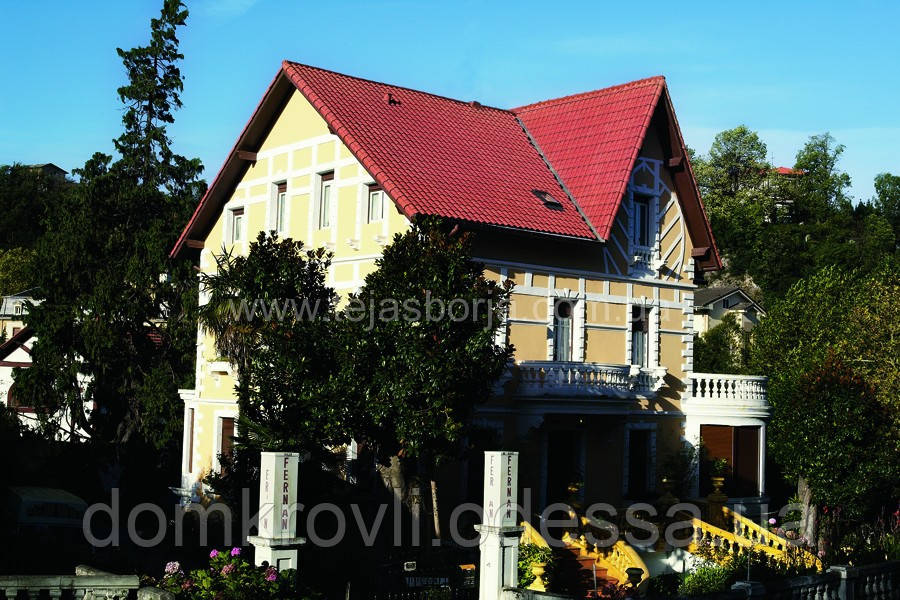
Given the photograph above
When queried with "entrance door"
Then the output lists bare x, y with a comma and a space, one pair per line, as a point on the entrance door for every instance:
562, 465
639, 484
739, 446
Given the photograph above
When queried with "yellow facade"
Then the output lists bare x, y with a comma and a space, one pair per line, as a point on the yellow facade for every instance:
600, 279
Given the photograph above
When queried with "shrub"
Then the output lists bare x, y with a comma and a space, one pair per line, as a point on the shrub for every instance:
706, 579
664, 586
229, 577
530, 554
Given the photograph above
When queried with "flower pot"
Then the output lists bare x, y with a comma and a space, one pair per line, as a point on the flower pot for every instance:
538, 585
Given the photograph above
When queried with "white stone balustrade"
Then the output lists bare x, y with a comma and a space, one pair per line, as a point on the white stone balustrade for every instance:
547, 378
749, 389
96, 587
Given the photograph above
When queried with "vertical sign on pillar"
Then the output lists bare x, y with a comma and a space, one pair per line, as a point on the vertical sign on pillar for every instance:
499, 544
500, 488
276, 543
278, 494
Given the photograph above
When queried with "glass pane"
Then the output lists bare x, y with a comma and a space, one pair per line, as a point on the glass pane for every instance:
325, 206
562, 347
279, 218
236, 228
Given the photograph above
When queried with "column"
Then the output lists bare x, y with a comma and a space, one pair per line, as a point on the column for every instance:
277, 543
500, 532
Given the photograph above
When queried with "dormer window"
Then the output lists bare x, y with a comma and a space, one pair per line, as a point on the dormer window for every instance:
642, 231
548, 200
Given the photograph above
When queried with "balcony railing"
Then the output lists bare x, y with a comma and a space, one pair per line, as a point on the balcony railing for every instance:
550, 378
749, 389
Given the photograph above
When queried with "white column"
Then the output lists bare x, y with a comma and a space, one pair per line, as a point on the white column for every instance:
277, 541
499, 531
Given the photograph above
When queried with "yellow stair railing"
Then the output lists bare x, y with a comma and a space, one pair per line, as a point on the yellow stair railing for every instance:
616, 558
530, 535
747, 536
760, 537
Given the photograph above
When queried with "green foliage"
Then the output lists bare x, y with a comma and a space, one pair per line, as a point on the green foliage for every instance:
836, 442
723, 349
229, 577
681, 468
532, 554
706, 579
273, 317
887, 200
15, 266
664, 586
778, 229
26, 195
841, 432
416, 373
116, 327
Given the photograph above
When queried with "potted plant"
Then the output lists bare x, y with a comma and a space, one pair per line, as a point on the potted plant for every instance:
718, 470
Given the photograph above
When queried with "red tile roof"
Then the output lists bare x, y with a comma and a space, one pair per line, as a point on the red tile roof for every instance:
593, 139
438, 156
461, 160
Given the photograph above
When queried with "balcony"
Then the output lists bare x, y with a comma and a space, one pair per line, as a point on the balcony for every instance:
714, 393
552, 378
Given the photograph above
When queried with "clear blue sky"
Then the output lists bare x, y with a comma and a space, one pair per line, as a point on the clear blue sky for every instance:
787, 71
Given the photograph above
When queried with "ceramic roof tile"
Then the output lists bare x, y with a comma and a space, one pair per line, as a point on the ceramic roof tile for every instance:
593, 139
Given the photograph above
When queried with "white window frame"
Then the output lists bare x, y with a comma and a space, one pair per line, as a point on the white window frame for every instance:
571, 330
237, 228
647, 338
374, 191
280, 208
323, 207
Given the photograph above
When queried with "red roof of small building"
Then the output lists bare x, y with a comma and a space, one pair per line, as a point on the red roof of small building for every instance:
789, 171
474, 163
593, 139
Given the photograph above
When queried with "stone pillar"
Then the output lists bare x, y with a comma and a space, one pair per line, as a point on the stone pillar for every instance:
500, 530
277, 542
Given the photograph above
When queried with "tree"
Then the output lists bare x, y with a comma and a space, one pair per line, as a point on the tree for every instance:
833, 318
116, 327
835, 425
887, 200
26, 194
723, 348
14, 270
822, 187
273, 317
424, 355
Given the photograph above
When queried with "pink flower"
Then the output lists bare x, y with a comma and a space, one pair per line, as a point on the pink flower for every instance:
235, 551
228, 569
172, 567
187, 584
772, 521
271, 574
214, 553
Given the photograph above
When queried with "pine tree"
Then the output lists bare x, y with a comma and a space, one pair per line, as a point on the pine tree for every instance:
116, 328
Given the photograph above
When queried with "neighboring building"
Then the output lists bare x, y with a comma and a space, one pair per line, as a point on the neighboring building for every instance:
13, 309
588, 203
51, 170
713, 303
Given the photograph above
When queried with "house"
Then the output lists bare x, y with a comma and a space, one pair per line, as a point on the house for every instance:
711, 304
587, 203
13, 309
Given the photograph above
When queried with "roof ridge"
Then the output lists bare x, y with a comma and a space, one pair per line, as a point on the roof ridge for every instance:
399, 87
589, 94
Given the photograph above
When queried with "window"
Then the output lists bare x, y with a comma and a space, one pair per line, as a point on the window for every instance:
642, 221
325, 182
237, 225
280, 207
17, 309
562, 330
639, 461
376, 204
226, 433
190, 434
640, 336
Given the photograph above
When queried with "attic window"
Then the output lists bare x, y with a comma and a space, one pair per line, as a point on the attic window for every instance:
548, 200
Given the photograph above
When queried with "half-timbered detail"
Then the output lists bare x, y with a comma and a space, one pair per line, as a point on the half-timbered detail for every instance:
586, 203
